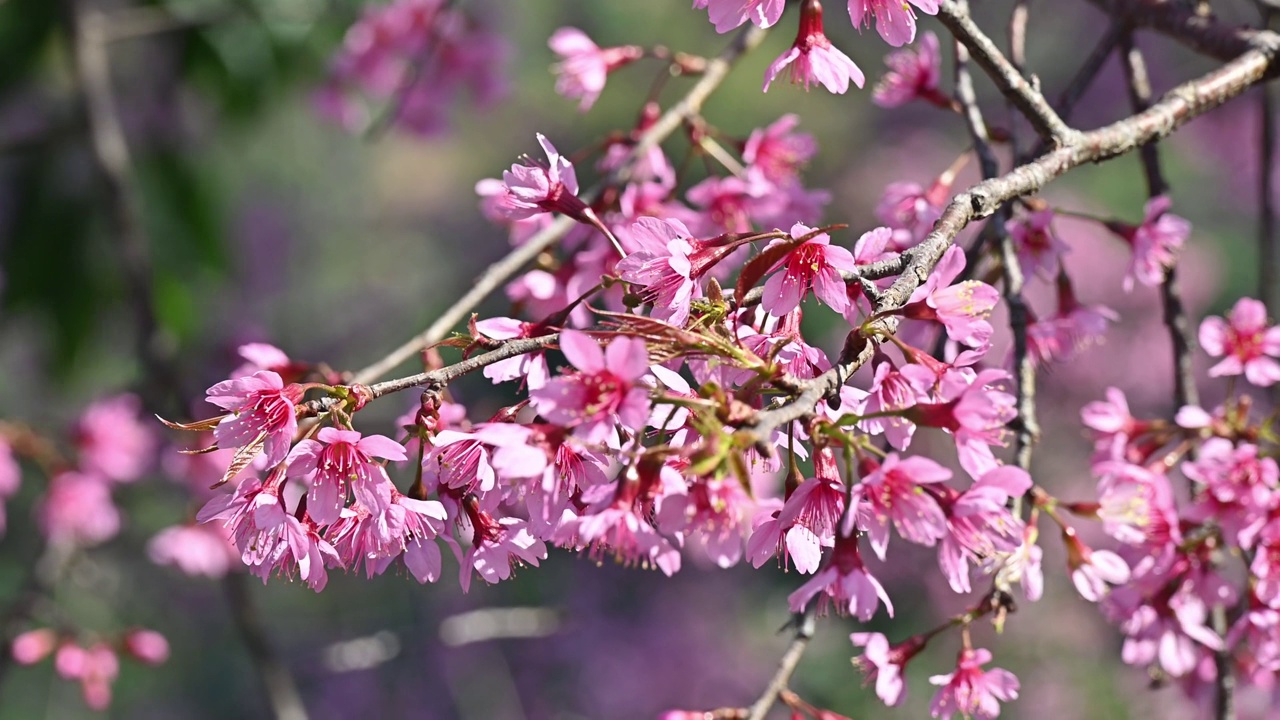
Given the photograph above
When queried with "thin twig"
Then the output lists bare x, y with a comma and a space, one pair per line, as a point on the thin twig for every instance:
1268, 293
1007, 78
1088, 72
1026, 427
1179, 325
498, 273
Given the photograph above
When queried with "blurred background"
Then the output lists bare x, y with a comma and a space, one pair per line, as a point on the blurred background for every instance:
260, 219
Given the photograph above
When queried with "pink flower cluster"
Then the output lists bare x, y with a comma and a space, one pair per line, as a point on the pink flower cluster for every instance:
95, 665
406, 61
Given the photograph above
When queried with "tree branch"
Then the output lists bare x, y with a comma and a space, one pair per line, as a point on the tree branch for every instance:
1176, 108
804, 624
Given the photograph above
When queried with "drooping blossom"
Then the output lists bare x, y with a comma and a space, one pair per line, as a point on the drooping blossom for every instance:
913, 74
813, 59
661, 268
1112, 424
1171, 632
1075, 327
112, 442
911, 210
971, 691
807, 521
976, 415
338, 459
962, 308
530, 368
1155, 243
1092, 570
885, 663
895, 20
979, 525
1244, 341
602, 393
498, 545
813, 264
584, 66
894, 492
262, 414
891, 391
1039, 249
777, 151
844, 582
1266, 565
729, 14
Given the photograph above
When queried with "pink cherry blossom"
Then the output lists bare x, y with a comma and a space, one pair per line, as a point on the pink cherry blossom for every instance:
890, 391
530, 188
971, 691
893, 492
813, 59
911, 210
1240, 488
146, 646
1074, 328
419, 55
846, 582
1039, 249
262, 414
1092, 570
112, 442
530, 368
32, 646
885, 663
813, 264
976, 416
734, 203
1173, 632
962, 308
1024, 566
1266, 565
729, 14
194, 549
584, 66
661, 267
1244, 341
77, 509
913, 74
603, 392
979, 525
1155, 243
778, 152
894, 19
337, 459
498, 546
